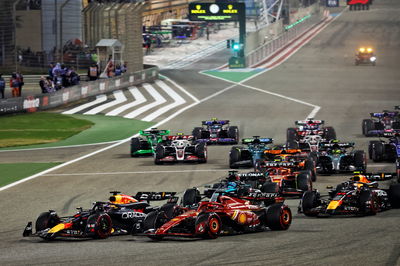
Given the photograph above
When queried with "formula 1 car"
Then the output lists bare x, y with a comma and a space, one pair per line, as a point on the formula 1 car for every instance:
216, 131
335, 157
247, 156
180, 148
123, 214
222, 214
379, 122
365, 56
296, 137
147, 142
360, 196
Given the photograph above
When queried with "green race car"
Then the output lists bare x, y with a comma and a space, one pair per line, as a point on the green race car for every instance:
147, 142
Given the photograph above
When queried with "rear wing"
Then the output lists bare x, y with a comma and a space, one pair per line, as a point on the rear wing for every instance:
383, 114
213, 122
153, 131
154, 196
375, 176
257, 141
306, 122
186, 137
288, 151
391, 133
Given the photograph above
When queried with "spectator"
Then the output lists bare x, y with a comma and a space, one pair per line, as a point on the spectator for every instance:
118, 70
2, 86
58, 81
93, 72
42, 84
14, 85
110, 69
74, 78
49, 85
20, 78
124, 67
50, 72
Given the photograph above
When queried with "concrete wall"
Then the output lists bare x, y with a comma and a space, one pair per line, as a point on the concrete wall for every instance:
262, 36
29, 30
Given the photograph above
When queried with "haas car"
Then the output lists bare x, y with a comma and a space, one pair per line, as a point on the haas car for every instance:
180, 148
147, 142
216, 131
297, 137
249, 153
335, 157
379, 123
122, 214
225, 212
359, 196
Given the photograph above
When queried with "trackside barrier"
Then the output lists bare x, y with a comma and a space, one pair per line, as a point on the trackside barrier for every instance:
67, 95
261, 53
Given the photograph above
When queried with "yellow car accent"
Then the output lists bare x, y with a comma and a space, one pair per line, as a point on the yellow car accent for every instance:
57, 228
334, 204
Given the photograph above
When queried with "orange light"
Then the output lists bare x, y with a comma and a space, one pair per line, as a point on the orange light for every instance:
369, 50
362, 49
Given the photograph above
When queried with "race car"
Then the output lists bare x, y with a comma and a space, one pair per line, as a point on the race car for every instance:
216, 131
379, 122
365, 56
147, 142
221, 214
360, 196
122, 214
296, 137
335, 157
180, 148
247, 156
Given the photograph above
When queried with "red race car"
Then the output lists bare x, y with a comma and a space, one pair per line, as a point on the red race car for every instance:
222, 214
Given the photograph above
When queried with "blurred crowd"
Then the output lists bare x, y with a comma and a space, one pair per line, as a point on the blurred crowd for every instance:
59, 77
16, 84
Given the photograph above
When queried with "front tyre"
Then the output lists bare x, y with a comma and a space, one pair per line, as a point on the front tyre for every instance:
278, 217
208, 225
102, 225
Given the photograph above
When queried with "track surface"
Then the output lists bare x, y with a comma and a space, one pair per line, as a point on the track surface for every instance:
322, 73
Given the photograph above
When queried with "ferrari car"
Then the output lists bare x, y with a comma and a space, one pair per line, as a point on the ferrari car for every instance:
296, 137
380, 122
335, 157
180, 148
221, 214
365, 56
122, 214
147, 142
247, 156
359, 196
216, 131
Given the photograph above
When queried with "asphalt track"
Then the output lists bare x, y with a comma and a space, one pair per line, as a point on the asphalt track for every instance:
321, 73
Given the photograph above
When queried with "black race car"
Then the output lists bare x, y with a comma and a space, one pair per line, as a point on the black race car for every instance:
216, 131
379, 123
359, 196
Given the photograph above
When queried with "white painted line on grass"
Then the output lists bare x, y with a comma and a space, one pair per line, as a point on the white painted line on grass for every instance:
139, 99
119, 98
99, 99
178, 100
158, 100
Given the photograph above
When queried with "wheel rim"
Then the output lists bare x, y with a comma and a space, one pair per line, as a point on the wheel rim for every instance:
285, 217
214, 225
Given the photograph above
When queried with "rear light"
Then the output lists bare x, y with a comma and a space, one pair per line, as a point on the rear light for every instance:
279, 199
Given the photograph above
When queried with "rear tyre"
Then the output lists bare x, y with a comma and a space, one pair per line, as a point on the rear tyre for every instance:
135, 146
46, 220
291, 138
372, 207
234, 157
367, 126
160, 154
308, 202
208, 225
360, 161
310, 165
394, 195
303, 181
278, 217
370, 147
330, 133
201, 152
191, 197
102, 225
233, 132
197, 132
269, 187
378, 150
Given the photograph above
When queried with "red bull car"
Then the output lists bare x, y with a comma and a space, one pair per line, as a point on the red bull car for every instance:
180, 148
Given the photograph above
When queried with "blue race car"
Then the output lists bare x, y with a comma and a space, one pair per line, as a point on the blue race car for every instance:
249, 155
216, 131
379, 122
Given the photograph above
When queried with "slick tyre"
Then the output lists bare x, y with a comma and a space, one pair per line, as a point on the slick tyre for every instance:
360, 161
234, 157
201, 152
160, 154
394, 195
269, 187
46, 220
191, 197
370, 147
366, 208
291, 139
278, 217
197, 132
310, 165
102, 225
367, 126
233, 132
308, 202
135, 146
378, 150
330, 133
303, 181
208, 225
152, 222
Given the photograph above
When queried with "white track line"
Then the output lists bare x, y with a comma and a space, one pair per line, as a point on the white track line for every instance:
139, 99
159, 100
142, 172
63, 147
181, 88
99, 99
178, 100
119, 98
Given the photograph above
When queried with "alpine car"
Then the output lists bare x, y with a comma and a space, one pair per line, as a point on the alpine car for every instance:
335, 157
247, 156
180, 148
380, 122
359, 196
122, 214
216, 131
365, 56
222, 214
296, 137
147, 142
